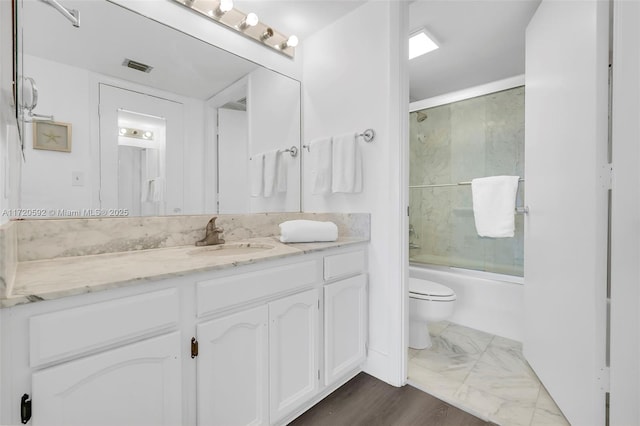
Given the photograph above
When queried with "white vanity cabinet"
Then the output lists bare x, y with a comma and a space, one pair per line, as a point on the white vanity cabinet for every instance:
256, 366
137, 384
345, 326
269, 340
294, 335
233, 369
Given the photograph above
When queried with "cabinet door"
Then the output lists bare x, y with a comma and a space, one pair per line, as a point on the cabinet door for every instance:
293, 346
139, 384
345, 322
233, 370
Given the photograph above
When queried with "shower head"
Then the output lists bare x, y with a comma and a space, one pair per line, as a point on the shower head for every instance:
421, 116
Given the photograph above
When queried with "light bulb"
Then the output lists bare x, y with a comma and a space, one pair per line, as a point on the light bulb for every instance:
147, 135
123, 130
251, 20
267, 34
225, 5
292, 41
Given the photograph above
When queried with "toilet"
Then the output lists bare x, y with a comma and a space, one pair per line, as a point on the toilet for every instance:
428, 302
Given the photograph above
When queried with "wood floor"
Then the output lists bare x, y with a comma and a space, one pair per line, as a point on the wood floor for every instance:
367, 401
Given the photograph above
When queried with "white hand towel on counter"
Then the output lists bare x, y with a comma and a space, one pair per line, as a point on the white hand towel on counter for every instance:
307, 231
494, 202
320, 162
256, 172
283, 169
270, 170
347, 164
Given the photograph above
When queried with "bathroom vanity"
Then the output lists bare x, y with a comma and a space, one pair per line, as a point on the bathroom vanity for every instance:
253, 336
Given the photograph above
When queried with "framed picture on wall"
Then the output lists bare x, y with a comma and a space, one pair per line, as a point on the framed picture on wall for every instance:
52, 136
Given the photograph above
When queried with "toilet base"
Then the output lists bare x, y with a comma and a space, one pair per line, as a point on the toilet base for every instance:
419, 337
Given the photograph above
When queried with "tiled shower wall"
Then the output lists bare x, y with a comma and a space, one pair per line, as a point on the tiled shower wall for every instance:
457, 142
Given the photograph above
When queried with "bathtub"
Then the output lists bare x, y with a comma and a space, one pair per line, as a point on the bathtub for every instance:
492, 303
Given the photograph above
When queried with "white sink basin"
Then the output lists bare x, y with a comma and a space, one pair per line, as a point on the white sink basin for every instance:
231, 249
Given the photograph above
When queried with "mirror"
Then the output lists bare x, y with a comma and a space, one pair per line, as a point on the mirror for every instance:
136, 118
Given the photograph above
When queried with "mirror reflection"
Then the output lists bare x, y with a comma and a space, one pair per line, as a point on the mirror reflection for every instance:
159, 122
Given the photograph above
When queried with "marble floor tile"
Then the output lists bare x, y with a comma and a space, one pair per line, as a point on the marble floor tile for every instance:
466, 339
499, 410
547, 412
462, 341
440, 359
436, 328
512, 386
485, 375
432, 382
507, 358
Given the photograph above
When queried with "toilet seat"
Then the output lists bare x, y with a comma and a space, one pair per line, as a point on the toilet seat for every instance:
428, 290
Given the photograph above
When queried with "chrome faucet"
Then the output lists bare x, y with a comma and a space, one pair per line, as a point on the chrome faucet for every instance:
212, 236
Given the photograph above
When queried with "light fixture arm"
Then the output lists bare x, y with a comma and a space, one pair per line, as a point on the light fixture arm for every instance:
71, 14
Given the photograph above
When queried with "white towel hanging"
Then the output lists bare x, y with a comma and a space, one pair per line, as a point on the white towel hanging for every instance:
494, 201
320, 162
347, 164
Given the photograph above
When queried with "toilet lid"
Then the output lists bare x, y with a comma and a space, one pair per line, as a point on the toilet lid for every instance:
429, 288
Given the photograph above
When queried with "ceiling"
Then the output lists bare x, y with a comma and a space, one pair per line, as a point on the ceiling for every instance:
299, 17
182, 64
480, 41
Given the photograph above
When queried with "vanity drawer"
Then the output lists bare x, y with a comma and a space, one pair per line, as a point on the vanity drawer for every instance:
344, 264
225, 292
59, 335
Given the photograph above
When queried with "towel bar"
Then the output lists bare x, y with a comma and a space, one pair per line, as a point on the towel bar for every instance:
293, 151
368, 136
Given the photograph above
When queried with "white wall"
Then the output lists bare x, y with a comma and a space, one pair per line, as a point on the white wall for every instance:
177, 16
355, 78
273, 108
70, 93
625, 244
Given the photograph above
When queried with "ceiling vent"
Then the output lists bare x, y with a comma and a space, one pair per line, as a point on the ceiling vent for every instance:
138, 66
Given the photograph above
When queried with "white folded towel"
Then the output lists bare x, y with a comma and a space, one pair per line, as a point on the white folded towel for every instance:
256, 171
270, 170
307, 231
320, 163
281, 178
494, 202
347, 164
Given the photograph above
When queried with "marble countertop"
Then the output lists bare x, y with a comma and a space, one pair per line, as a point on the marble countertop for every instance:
67, 276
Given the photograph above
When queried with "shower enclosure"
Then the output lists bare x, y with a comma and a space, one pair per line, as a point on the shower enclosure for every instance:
457, 142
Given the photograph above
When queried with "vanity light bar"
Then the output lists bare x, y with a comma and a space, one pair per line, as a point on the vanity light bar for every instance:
223, 12
129, 132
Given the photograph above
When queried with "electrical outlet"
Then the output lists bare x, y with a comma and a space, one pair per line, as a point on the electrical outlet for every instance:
77, 178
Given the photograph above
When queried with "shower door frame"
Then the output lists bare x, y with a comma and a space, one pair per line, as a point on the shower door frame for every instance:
461, 95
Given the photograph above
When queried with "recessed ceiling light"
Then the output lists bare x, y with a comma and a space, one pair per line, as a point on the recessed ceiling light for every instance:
420, 43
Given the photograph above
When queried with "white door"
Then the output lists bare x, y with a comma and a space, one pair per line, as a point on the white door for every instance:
566, 229
233, 170
113, 101
345, 326
233, 370
138, 384
293, 352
